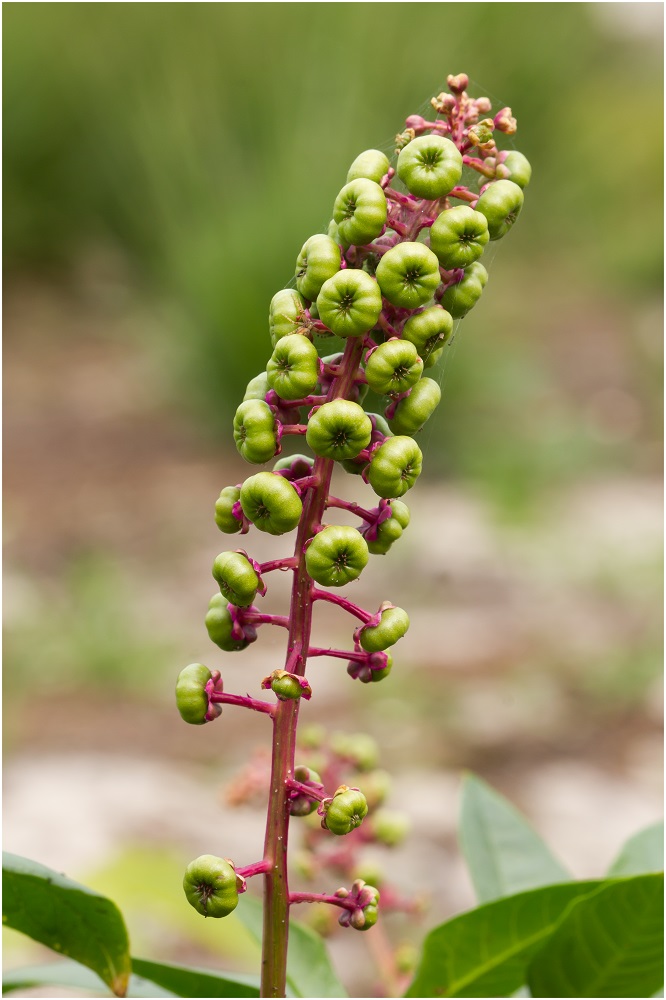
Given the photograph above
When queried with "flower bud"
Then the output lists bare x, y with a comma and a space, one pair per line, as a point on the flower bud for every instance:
483, 105
481, 134
457, 84
211, 886
505, 122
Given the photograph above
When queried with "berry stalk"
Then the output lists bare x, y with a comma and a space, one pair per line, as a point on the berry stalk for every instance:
276, 885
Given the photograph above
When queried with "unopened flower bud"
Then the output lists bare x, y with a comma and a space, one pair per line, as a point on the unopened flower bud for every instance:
505, 121
457, 84
483, 105
402, 138
416, 122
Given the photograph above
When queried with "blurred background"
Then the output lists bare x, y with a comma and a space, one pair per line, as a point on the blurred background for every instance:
163, 165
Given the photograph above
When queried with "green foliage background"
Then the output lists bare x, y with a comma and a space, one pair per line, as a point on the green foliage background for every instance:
204, 141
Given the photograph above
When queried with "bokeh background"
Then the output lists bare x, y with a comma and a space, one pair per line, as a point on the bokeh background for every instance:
163, 165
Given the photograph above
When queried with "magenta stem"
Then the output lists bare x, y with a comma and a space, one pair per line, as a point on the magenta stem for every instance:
463, 194
257, 618
341, 654
256, 868
276, 880
294, 428
353, 508
402, 199
309, 790
288, 562
242, 701
321, 897
342, 602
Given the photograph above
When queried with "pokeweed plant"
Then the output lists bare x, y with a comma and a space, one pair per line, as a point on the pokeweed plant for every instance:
399, 263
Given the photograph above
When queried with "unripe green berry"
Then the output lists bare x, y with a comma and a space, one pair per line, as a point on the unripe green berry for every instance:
501, 204
271, 503
350, 302
318, 261
191, 696
358, 749
412, 412
360, 211
224, 505
520, 170
388, 532
392, 626
257, 387
287, 687
458, 236
211, 886
336, 555
393, 367
345, 812
236, 578
400, 513
339, 429
293, 370
395, 467
428, 330
463, 296
219, 625
286, 314
296, 466
390, 828
254, 431
430, 166
372, 164
408, 275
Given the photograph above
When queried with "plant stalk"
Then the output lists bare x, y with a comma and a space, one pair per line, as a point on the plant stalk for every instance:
276, 884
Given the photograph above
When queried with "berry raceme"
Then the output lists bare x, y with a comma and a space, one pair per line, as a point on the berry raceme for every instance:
399, 263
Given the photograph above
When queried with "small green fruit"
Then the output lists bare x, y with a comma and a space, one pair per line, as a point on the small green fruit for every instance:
191, 696
392, 626
360, 212
350, 302
458, 236
372, 164
211, 886
430, 166
293, 370
254, 431
236, 578
339, 430
318, 261
346, 811
224, 505
336, 556
501, 204
408, 275
271, 503
395, 467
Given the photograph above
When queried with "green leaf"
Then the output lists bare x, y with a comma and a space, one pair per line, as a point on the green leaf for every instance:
67, 917
609, 944
503, 853
187, 982
309, 969
485, 952
642, 853
72, 974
